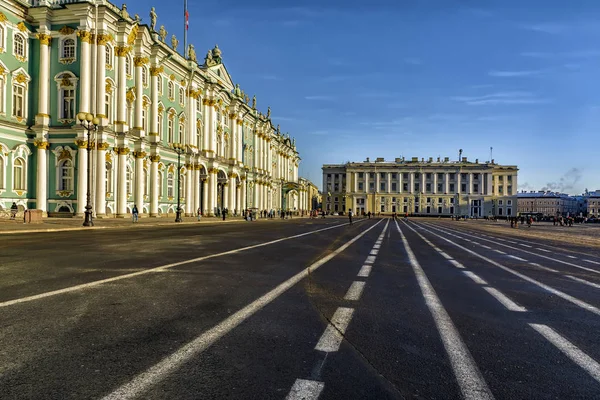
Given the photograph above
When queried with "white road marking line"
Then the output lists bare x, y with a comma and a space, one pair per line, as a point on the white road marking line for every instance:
525, 245
157, 269
456, 264
469, 378
365, 271
484, 246
332, 337
376, 246
542, 267
544, 250
355, 291
370, 260
447, 231
569, 298
304, 389
445, 255
593, 262
155, 374
592, 284
516, 258
374, 252
475, 277
499, 251
570, 350
573, 257
505, 301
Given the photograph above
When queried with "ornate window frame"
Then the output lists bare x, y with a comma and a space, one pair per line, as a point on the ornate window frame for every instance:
171, 91
109, 94
128, 67
181, 97
66, 81
67, 33
23, 37
20, 79
62, 154
20, 152
109, 57
145, 77
3, 82
3, 32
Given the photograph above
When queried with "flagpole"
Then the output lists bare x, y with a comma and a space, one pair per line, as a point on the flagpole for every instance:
185, 28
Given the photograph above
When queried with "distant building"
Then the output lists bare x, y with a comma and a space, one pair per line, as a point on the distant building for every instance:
547, 203
425, 187
592, 203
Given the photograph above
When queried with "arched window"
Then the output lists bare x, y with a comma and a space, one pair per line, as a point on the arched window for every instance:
68, 48
160, 184
18, 100
159, 84
109, 56
181, 137
65, 171
145, 76
68, 103
127, 65
170, 133
108, 178
2, 180
170, 189
146, 182
2, 89
2, 36
128, 180
198, 105
199, 135
170, 89
19, 181
160, 125
19, 45
108, 105
219, 145
181, 96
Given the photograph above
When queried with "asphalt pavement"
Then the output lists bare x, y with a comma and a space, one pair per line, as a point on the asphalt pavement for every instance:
298, 309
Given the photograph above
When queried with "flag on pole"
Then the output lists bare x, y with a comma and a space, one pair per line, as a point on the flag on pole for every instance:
187, 20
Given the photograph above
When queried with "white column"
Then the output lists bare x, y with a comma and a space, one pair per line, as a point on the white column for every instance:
139, 92
43, 116
226, 195
232, 190
101, 92
212, 191
86, 73
377, 183
490, 184
238, 199
139, 180
255, 195
205, 196
153, 125
189, 194
366, 182
122, 182
423, 176
210, 133
411, 186
196, 187
389, 182
154, 194
42, 178
471, 183
435, 182
121, 122
243, 201
100, 192
458, 183
81, 176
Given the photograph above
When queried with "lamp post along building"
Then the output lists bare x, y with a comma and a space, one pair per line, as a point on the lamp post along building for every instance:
59, 58
421, 187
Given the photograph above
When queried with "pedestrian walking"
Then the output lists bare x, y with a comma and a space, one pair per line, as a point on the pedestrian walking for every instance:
199, 212
13, 210
350, 216
134, 213
224, 213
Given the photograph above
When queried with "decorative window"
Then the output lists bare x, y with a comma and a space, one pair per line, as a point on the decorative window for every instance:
170, 190
65, 171
19, 47
159, 84
66, 84
108, 106
170, 133
108, 53
145, 76
18, 101
19, 177
144, 119
108, 178
2, 38
128, 179
181, 186
2, 92
181, 132
20, 82
170, 91
181, 96
2, 161
128, 67
160, 183
199, 134
68, 48
160, 125
199, 105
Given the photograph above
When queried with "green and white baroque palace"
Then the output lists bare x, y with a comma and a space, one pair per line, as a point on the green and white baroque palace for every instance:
62, 57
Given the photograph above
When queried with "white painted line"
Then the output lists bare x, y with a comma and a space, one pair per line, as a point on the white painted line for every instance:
542, 267
155, 374
305, 390
159, 268
505, 301
456, 264
445, 255
592, 284
544, 250
365, 271
499, 251
370, 260
469, 378
374, 252
569, 298
593, 262
376, 246
475, 278
525, 245
334, 333
355, 291
573, 257
484, 246
570, 350
516, 258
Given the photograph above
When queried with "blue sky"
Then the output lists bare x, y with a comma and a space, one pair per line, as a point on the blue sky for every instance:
417, 78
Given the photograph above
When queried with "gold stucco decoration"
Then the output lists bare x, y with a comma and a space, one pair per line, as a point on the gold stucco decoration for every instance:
44, 38
3, 17
172, 77
21, 26
155, 71
41, 145
121, 51
140, 61
82, 144
21, 78
130, 96
65, 155
66, 30
155, 158
133, 35
85, 36
103, 146
103, 39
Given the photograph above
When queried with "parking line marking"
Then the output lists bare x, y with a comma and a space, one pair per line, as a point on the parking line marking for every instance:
475, 277
355, 291
504, 300
570, 350
499, 251
332, 337
591, 261
516, 258
305, 389
592, 284
544, 250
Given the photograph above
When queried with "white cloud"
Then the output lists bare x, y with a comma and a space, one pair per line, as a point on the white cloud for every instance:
549, 27
501, 98
515, 74
413, 61
320, 98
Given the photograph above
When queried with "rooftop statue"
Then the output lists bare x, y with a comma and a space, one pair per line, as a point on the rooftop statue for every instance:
137, 18
124, 13
237, 91
268, 112
191, 53
153, 19
209, 60
254, 102
162, 33
174, 42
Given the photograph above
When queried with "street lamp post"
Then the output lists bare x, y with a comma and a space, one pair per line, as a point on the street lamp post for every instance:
90, 124
179, 149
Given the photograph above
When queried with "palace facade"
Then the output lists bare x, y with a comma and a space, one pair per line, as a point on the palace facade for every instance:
421, 187
62, 57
